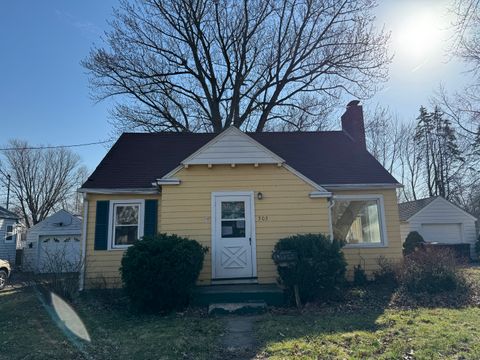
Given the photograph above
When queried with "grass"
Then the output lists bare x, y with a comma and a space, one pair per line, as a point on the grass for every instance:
394, 334
368, 326
364, 326
27, 332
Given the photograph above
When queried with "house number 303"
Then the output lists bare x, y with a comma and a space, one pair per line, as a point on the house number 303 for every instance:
262, 218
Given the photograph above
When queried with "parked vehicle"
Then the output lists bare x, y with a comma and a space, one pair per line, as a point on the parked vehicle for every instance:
5, 271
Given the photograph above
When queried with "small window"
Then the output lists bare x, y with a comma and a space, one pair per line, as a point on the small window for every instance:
358, 221
233, 219
9, 236
126, 223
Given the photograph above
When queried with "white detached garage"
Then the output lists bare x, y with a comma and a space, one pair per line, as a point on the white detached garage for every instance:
438, 221
53, 245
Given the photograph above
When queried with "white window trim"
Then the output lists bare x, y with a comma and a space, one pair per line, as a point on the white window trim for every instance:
6, 234
383, 227
111, 231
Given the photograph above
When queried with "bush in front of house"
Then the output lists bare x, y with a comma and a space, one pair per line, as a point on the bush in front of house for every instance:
159, 272
359, 276
387, 272
413, 241
431, 270
319, 270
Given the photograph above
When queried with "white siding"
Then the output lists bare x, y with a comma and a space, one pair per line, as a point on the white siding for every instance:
71, 225
232, 147
7, 249
404, 230
441, 212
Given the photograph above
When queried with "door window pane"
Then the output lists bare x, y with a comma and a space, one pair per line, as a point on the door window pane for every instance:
356, 221
125, 224
233, 228
233, 210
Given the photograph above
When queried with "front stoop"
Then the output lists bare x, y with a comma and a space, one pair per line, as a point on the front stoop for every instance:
269, 294
250, 308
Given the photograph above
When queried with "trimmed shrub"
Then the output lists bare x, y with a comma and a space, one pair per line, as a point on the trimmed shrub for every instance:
413, 241
159, 272
319, 270
359, 276
431, 270
387, 272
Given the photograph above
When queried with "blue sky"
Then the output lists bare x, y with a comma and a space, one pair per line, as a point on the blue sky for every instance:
44, 95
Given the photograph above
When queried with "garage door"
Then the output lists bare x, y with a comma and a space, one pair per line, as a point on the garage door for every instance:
59, 253
442, 233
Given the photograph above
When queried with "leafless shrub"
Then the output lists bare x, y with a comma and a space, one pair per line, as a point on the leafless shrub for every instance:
388, 271
59, 272
432, 270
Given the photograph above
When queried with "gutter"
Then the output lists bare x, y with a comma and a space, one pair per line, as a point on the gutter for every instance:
330, 225
166, 181
118, 191
84, 243
320, 194
362, 186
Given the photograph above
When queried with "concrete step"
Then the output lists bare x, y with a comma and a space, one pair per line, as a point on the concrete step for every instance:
245, 308
271, 294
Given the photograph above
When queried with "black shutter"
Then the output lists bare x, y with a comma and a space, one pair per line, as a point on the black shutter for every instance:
101, 225
150, 223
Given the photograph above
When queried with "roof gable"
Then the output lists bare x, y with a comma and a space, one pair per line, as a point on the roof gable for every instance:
409, 210
232, 146
61, 220
7, 214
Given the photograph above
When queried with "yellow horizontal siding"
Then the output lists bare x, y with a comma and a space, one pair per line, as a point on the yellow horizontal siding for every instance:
102, 267
185, 210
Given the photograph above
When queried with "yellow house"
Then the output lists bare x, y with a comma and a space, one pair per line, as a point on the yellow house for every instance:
238, 194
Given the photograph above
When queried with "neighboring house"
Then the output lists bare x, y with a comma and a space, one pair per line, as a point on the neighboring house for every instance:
239, 193
438, 220
53, 245
8, 237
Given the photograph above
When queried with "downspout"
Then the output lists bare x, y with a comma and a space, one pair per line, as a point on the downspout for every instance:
330, 225
84, 242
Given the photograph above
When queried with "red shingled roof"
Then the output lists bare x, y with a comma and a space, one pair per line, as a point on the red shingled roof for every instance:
330, 157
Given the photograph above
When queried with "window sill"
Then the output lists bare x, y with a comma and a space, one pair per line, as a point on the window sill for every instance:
365, 246
124, 247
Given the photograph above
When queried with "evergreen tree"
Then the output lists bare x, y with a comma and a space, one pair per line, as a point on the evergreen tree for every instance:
441, 156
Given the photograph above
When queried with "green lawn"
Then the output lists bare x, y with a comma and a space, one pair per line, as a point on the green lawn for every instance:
365, 326
27, 332
412, 334
368, 326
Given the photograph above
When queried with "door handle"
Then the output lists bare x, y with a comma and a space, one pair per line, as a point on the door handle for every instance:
250, 241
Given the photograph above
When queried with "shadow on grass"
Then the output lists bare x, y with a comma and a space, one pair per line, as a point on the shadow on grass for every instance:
358, 311
375, 321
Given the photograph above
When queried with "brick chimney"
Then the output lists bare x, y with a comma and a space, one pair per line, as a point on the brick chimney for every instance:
352, 123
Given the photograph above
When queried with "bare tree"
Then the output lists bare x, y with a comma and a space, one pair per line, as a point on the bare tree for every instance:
411, 166
392, 142
385, 136
463, 107
203, 65
73, 202
41, 179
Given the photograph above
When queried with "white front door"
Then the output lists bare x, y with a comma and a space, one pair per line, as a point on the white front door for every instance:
233, 236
